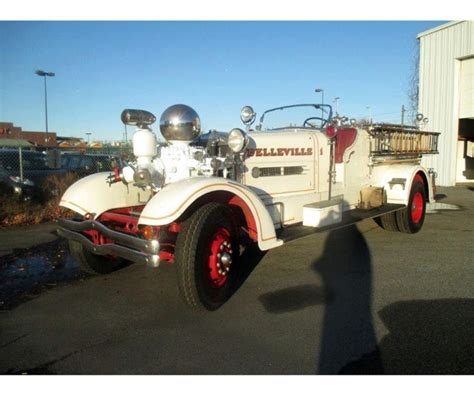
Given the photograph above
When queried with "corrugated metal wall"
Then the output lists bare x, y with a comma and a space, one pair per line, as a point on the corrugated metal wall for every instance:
441, 53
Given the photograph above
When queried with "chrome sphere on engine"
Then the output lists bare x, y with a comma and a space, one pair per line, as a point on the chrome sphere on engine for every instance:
180, 123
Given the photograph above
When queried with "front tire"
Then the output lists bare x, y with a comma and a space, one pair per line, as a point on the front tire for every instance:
92, 263
207, 251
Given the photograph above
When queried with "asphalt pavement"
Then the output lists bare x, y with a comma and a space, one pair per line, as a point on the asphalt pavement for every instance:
17, 239
359, 300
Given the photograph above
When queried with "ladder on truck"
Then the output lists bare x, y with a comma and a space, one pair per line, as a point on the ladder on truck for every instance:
391, 140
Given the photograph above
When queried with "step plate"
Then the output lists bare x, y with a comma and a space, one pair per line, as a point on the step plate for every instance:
350, 217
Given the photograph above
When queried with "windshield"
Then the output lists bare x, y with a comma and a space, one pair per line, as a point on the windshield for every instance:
314, 116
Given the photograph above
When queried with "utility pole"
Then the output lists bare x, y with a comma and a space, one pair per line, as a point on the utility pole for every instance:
370, 115
403, 115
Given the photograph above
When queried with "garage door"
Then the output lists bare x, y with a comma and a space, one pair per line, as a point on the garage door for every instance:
467, 89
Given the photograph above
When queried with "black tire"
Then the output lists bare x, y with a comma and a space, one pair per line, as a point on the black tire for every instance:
387, 221
410, 219
92, 263
206, 230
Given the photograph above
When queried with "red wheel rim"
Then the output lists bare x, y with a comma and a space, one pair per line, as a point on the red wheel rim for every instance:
220, 257
417, 207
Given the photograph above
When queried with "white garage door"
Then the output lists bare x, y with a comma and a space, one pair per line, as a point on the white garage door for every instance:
467, 89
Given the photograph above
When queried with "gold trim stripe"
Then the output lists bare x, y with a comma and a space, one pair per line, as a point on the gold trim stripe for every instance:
185, 203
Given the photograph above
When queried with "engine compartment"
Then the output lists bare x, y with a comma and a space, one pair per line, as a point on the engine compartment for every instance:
186, 153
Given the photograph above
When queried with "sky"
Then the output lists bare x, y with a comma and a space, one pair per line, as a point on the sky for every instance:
215, 67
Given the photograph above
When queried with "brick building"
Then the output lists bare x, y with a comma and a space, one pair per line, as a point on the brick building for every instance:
9, 131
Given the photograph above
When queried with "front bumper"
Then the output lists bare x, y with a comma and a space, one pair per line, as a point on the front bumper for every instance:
123, 245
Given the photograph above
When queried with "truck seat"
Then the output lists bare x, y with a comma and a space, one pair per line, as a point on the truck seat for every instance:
345, 138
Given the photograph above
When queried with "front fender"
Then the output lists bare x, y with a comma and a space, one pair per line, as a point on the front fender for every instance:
397, 181
92, 194
171, 202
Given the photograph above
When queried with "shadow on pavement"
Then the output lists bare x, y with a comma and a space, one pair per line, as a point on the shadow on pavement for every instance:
293, 298
426, 337
346, 292
250, 259
347, 333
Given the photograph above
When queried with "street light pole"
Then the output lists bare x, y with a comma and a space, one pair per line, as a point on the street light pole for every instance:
336, 101
88, 136
44, 74
322, 99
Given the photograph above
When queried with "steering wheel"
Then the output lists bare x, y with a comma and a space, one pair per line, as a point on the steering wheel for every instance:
306, 122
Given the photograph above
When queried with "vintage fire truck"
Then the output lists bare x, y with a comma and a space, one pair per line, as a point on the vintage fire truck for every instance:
200, 200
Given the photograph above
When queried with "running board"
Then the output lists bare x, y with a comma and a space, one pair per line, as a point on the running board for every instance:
349, 217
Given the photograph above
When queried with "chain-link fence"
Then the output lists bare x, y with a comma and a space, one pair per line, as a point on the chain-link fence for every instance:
89, 160
92, 160
24, 169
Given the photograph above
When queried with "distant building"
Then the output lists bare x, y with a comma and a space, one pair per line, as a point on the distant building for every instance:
9, 131
68, 142
446, 98
16, 143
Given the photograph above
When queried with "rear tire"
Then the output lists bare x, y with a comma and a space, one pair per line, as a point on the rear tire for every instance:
92, 263
205, 279
387, 221
410, 219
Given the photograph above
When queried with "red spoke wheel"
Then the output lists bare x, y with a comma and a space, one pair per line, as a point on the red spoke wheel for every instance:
410, 220
206, 255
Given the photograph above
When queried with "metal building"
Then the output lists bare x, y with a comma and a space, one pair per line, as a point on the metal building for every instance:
446, 98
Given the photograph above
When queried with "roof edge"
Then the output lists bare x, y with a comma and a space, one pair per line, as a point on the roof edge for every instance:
438, 28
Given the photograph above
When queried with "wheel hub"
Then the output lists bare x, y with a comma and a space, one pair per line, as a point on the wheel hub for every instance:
220, 257
224, 262
417, 208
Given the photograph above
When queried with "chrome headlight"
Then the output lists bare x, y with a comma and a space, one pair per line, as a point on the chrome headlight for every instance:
247, 115
419, 117
237, 140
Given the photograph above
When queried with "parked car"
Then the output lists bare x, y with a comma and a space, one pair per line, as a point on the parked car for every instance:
13, 185
85, 164
24, 181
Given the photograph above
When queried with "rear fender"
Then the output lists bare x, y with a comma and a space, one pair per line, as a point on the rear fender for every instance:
174, 199
398, 179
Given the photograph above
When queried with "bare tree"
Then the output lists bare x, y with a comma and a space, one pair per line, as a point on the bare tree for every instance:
414, 83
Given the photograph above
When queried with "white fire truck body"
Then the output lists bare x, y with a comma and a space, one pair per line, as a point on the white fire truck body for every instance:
200, 200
